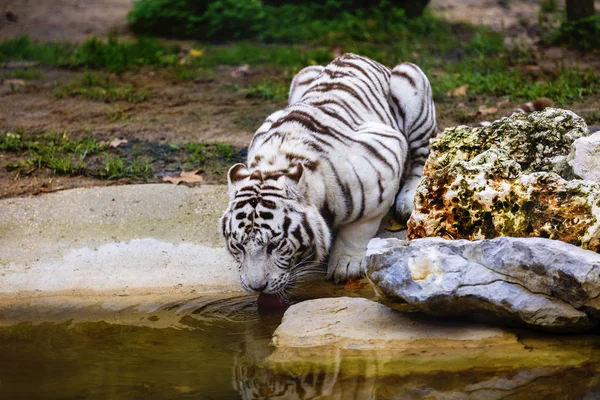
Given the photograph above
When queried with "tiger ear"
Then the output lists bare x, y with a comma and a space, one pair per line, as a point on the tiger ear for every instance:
236, 173
297, 176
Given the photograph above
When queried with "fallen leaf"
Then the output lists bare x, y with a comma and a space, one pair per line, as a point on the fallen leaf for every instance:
356, 284
14, 82
484, 110
186, 177
394, 226
117, 142
196, 53
242, 70
459, 91
503, 103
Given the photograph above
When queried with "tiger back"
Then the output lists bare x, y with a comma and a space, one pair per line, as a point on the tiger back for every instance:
324, 171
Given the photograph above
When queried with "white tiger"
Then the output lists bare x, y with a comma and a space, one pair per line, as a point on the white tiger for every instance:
323, 172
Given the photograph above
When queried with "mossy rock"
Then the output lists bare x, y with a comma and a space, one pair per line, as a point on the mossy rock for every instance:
508, 179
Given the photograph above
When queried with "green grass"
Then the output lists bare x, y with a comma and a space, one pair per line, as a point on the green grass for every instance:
268, 90
61, 155
22, 73
209, 154
498, 78
452, 55
54, 151
582, 34
95, 86
307, 22
64, 156
117, 168
112, 55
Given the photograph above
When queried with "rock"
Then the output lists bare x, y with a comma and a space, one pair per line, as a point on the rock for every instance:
115, 241
356, 323
532, 282
539, 141
356, 349
512, 178
586, 157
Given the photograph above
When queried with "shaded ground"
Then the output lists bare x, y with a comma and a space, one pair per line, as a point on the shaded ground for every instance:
71, 20
211, 106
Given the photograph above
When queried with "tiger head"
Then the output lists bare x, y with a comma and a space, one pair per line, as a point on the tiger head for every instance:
274, 234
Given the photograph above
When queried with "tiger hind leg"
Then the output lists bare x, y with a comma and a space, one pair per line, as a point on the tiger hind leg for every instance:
412, 103
302, 81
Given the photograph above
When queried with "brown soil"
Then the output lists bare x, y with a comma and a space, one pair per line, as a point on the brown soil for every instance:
178, 112
62, 20
204, 110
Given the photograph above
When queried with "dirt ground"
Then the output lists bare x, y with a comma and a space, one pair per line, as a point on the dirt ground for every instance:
178, 111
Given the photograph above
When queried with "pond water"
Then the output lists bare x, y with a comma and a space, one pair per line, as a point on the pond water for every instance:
209, 348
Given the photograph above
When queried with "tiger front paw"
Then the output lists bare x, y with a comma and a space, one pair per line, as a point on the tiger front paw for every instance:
340, 269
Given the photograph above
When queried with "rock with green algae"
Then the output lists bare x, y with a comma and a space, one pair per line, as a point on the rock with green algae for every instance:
511, 178
539, 141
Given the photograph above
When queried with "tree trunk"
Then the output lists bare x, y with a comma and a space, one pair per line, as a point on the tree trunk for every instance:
577, 9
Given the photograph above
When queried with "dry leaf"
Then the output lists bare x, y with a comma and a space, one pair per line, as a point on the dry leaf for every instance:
117, 142
356, 284
503, 103
242, 70
186, 177
483, 110
196, 53
14, 82
459, 91
394, 226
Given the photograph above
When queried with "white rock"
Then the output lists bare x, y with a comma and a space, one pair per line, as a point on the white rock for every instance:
586, 160
535, 282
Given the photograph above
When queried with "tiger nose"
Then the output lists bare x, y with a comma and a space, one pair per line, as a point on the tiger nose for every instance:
258, 287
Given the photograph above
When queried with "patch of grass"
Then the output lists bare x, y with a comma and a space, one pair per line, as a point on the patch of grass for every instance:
11, 142
22, 48
210, 154
581, 34
497, 78
65, 156
255, 54
112, 55
116, 113
115, 167
23, 73
96, 86
288, 21
549, 6
54, 151
268, 90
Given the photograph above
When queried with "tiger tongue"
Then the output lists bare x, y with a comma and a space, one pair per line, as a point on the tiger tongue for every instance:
270, 301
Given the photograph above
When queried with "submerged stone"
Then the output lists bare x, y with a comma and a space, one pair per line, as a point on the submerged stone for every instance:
511, 178
357, 323
531, 282
356, 349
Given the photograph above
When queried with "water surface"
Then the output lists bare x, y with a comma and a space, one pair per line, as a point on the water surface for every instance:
214, 348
